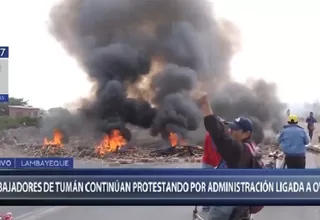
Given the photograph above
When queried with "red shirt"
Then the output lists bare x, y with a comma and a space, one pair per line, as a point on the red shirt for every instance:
210, 154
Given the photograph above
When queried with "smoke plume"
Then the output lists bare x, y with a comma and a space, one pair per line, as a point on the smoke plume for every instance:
118, 42
256, 100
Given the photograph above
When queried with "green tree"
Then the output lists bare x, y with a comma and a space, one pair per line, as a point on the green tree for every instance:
18, 101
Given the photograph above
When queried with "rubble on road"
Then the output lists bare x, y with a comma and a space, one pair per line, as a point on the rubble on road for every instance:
128, 156
141, 149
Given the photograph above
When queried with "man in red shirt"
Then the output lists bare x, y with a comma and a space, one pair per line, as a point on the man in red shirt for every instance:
210, 159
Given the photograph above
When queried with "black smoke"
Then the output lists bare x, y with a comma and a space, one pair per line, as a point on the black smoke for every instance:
257, 100
116, 43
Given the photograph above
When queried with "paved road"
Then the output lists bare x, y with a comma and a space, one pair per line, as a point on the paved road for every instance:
148, 213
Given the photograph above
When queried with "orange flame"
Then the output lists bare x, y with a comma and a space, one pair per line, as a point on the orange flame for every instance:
175, 140
56, 142
110, 143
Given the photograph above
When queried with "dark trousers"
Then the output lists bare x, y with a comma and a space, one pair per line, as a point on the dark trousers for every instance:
240, 213
310, 134
295, 162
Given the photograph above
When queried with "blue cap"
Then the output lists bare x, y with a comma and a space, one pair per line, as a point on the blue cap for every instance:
241, 123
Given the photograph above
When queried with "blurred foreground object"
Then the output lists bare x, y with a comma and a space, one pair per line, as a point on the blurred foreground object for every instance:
6, 216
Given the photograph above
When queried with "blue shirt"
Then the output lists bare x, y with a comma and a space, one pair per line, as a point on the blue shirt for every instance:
293, 140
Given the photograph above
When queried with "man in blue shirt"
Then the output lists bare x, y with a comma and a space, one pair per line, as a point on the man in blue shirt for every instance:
310, 124
293, 140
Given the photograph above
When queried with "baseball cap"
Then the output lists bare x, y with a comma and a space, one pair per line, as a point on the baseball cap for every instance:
241, 123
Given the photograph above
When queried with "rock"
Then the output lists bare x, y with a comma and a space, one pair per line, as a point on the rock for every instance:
112, 160
125, 161
151, 160
145, 160
175, 159
160, 159
114, 164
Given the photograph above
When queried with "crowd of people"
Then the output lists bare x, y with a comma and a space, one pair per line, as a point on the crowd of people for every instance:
229, 145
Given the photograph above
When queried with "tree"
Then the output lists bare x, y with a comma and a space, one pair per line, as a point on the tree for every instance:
18, 101
59, 112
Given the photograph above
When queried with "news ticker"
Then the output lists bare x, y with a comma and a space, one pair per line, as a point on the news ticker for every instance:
4, 74
36, 163
160, 187
4, 97
4, 52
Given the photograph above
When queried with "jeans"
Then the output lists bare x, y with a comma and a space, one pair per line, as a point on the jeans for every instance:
217, 212
206, 166
220, 212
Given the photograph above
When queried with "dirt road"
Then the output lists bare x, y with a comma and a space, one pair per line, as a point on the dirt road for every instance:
155, 213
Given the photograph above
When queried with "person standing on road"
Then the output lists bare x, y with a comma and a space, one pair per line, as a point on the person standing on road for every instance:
310, 124
293, 140
210, 159
235, 149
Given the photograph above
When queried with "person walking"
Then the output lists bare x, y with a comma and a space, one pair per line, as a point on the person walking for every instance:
310, 124
293, 140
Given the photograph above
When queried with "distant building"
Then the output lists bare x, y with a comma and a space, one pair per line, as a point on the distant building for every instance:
23, 111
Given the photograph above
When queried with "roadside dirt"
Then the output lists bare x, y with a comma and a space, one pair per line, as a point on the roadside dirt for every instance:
10, 139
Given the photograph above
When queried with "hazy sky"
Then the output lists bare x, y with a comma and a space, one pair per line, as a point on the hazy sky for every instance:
280, 43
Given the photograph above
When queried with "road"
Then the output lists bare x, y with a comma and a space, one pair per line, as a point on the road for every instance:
148, 213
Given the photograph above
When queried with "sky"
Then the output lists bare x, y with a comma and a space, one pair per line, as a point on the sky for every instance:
280, 43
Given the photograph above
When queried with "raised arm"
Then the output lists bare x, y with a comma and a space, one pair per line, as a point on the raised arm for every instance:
230, 149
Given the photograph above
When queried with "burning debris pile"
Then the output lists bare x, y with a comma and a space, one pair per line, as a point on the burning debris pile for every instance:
54, 146
112, 149
111, 143
115, 145
178, 148
146, 58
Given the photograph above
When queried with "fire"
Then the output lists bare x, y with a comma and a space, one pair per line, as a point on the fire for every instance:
110, 143
175, 140
56, 142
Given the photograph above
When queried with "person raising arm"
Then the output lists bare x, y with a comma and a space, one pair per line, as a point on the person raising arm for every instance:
230, 146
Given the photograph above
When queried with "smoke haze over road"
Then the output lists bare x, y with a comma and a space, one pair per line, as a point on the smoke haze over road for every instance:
118, 43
